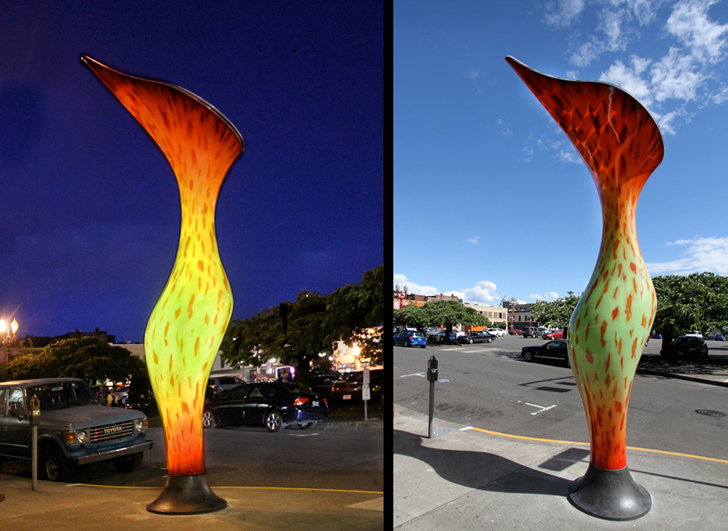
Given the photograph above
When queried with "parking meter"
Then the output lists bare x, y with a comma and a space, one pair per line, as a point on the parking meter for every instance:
34, 421
432, 378
432, 369
34, 411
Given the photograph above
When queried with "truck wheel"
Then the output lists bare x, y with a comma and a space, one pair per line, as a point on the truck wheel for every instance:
55, 467
129, 463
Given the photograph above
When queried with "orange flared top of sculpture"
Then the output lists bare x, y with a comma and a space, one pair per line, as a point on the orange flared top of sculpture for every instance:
616, 136
189, 131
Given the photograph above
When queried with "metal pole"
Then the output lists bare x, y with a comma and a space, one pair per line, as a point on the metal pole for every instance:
365, 409
432, 410
35, 457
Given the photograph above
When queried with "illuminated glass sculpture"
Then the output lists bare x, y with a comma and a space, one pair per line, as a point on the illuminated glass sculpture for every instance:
621, 145
189, 320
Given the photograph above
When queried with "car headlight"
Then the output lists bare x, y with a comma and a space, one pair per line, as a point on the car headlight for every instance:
141, 425
77, 437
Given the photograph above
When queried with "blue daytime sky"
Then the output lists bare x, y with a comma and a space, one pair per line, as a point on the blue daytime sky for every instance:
491, 200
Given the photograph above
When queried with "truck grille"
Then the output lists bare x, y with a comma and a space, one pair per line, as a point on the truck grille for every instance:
112, 431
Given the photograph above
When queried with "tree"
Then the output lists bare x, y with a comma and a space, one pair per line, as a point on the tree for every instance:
695, 302
450, 313
355, 314
411, 316
87, 358
258, 339
555, 313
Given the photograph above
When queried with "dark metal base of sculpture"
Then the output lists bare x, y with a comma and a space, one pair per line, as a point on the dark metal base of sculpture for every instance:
610, 494
187, 495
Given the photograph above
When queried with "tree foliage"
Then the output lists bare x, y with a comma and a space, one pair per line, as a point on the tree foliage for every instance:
314, 324
355, 313
555, 313
87, 358
412, 316
436, 313
694, 302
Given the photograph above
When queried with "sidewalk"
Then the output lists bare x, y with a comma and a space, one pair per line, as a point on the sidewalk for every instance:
467, 479
59, 506
80, 507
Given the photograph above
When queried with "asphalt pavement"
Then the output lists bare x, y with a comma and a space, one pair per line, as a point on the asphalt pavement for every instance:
61, 506
468, 478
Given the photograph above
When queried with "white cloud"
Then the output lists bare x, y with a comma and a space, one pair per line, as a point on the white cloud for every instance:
703, 254
676, 76
527, 154
402, 281
563, 13
474, 75
473, 240
507, 131
484, 292
629, 78
550, 296
689, 22
570, 156
586, 53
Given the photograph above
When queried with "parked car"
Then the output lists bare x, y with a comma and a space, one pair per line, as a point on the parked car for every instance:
223, 383
531, 331
350, 390
719, 337
439, 337
694, 333
554, 350
477, 337
409, 338
75, 429
121, 395
321, 382
498, 332
140, 395
553, 334
691, 346
270, 404
515, 332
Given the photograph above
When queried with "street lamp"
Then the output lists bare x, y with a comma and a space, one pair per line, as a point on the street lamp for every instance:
14, 326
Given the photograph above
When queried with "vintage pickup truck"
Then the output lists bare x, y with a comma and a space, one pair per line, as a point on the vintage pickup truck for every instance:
74, 428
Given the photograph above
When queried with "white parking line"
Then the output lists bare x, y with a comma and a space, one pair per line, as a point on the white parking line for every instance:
468, 428
542, 408
413, 374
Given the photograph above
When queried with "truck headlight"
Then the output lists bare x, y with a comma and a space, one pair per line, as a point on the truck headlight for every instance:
141, 425
77, 437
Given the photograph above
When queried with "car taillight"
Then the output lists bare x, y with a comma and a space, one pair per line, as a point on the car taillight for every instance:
300, 401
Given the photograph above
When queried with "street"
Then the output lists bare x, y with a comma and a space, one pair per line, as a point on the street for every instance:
490, 386
344, 453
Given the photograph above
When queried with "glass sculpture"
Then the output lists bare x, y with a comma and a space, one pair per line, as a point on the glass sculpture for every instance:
189, 320
621, 145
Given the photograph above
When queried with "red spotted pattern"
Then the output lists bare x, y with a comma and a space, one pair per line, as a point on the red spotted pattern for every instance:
621, 145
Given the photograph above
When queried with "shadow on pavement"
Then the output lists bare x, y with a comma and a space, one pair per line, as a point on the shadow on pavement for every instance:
480, 470
655, 362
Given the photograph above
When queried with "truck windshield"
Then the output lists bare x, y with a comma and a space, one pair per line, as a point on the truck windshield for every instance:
62, 395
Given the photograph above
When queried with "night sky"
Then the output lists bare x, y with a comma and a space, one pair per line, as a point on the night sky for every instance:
89, 206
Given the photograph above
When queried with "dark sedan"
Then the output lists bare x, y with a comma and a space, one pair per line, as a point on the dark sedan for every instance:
477, 337
350, 391
690, 346
553, 350
322, 382
269, 404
